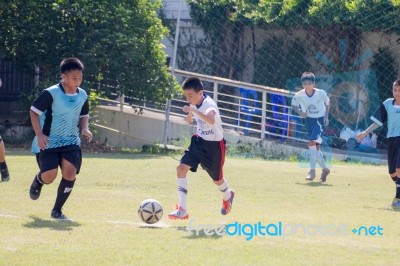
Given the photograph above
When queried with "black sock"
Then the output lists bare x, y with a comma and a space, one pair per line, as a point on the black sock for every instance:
397, 182
38, 179
3, 165
64, 189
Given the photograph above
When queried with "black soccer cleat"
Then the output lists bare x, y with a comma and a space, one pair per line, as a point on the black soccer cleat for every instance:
5, 176
36, 187
58, 215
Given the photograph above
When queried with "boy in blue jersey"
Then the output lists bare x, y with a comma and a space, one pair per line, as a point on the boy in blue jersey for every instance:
65, 108
389, 112
315, 106
5, 176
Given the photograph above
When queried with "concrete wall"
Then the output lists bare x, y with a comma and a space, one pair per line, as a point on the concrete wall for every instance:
129, 129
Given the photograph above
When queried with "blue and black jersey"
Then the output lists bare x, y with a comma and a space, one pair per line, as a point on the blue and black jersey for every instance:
62, 112
390, 113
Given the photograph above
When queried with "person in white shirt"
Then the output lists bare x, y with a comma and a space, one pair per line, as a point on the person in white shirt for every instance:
207, 147
313, 105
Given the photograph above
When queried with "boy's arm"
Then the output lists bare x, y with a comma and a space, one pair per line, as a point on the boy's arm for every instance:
379, 118
326, 117
327, 103
297, 110
189, 117
84, 124
41, 138
209, 118
363, 134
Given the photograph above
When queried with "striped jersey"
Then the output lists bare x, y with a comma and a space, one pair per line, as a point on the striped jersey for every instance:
390, 113
62, 113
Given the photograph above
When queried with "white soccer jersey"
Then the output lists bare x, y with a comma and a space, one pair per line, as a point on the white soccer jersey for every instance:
204, 130
314, 105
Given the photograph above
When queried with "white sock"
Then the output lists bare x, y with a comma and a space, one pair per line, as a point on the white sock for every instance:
182, 192
226, 194
313, 156
320, 159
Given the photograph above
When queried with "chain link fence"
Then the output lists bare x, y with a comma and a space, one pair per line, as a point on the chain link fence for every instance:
351, 46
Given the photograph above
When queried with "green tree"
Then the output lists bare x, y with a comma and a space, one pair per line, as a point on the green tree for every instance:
118, 41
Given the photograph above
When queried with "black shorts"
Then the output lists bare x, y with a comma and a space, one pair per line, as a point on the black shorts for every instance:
209, 154
37, 159
393, 154
51, 159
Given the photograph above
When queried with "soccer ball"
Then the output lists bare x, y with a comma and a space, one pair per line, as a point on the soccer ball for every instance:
150, 211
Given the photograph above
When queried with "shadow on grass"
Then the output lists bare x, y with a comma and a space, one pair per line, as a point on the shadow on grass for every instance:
314, 184
200, 234
59, 225
391, 209
151, 227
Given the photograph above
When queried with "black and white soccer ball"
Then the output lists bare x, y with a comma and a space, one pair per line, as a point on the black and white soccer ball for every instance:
150, 211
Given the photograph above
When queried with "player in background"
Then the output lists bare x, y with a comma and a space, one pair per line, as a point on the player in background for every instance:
207, 147
5, 176
389, 112
314, 105
66, 109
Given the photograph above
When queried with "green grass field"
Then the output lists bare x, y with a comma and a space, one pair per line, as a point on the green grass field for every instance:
105, 228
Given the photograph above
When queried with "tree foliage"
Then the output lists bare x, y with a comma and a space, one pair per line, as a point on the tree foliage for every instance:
118, 41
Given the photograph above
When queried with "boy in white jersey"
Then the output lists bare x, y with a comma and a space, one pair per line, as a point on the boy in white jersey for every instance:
389, 112
314, 107
64, 108
5, 176
207, 147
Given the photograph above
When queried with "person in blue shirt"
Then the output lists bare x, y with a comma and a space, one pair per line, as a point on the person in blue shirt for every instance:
65, 108
389, 112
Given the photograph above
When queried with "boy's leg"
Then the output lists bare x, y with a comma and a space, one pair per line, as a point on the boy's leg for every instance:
312, 131
49, 162
189, 161
313, 158
70, 166
394, 168
181, 180
227, 194
182, 187
396, 180
5, 176
321, 162
215, 156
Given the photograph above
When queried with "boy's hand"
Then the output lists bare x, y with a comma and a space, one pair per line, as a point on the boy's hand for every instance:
326, 121
42, 141
361, 136
189, 118
186, 109
303, 114
87, 133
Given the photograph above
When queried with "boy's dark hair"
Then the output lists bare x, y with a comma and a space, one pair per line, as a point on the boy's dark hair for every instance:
396, 82
308, 76
69, 64
192, 83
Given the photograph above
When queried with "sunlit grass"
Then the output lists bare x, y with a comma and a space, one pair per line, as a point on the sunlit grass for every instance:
105, 228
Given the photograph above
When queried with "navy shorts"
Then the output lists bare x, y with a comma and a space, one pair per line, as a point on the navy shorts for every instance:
393, 154
37, 159
51, 159
315, 127
209, 154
